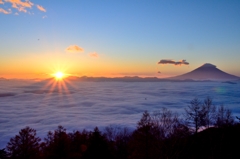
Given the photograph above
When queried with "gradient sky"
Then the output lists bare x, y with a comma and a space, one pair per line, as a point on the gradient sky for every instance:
117, 38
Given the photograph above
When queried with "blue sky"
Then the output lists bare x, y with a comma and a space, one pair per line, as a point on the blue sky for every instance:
129, 37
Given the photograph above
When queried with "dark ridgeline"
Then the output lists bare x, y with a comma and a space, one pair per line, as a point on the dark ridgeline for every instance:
205, 131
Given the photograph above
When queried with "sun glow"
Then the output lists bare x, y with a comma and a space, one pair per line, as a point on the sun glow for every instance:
59, 75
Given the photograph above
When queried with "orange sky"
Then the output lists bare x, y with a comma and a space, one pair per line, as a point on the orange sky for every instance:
47, 64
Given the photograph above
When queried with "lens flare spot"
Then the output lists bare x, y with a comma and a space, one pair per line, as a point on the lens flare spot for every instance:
220, 90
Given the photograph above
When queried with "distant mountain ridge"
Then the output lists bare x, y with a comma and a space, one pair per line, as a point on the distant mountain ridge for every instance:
120, 79
206, 72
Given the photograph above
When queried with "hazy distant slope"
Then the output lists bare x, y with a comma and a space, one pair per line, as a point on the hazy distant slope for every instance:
206, 72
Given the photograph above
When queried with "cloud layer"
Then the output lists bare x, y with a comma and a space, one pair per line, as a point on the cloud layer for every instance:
74, 49
89, 104
181, 62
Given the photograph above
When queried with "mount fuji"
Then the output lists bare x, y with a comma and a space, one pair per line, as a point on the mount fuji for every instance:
206, 72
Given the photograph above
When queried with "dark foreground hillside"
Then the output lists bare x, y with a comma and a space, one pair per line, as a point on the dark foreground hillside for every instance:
160, 135
211, 143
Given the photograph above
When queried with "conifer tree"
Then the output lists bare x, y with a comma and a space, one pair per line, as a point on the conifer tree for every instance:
25, 145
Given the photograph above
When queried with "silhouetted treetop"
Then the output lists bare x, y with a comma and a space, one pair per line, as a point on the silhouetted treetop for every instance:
25, 145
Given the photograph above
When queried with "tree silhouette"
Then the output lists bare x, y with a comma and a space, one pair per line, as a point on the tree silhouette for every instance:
170, 132
25, 145
145, 121
57, 144
195, 113
98, 146
165, 121
145, 143
118, 138
79, 141
238, 118
224, 117
3, 154
210, 110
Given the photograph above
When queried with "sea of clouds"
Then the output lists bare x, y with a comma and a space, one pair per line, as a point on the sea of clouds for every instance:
85, 105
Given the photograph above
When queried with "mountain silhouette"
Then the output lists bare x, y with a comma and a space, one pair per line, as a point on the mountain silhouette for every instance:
206, 72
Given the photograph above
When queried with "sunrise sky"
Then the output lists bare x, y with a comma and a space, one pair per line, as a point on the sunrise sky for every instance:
117, 38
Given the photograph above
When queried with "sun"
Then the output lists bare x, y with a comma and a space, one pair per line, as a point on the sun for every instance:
59, 75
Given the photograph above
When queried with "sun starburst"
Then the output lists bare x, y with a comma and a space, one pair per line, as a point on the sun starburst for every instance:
59, 75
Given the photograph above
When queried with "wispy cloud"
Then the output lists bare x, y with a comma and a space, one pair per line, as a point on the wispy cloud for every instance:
74, 49
94, 54
41, 8
20, 6
166, 61
5, 11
